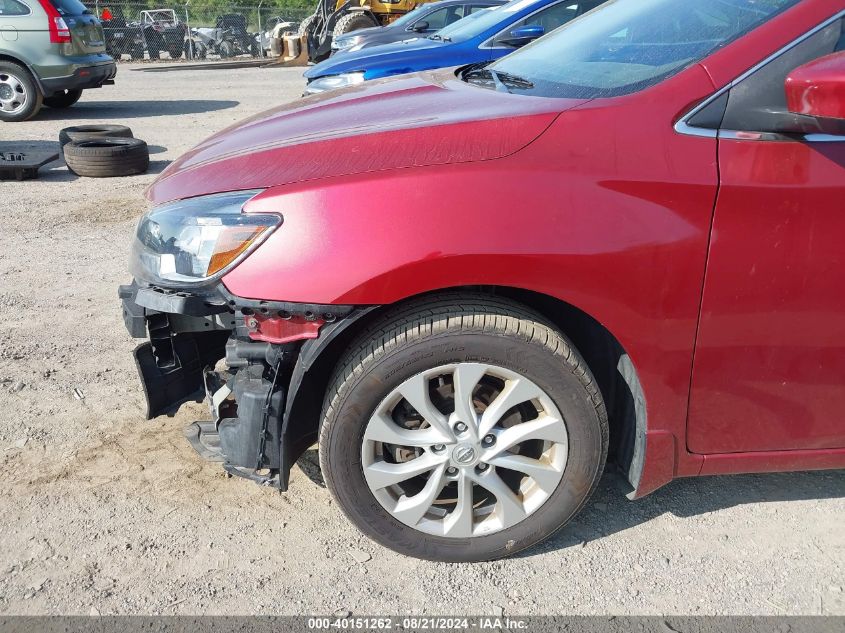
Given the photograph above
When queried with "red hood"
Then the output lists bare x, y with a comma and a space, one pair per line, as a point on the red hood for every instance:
370, 127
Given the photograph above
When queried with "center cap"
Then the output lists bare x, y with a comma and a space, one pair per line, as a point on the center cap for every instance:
464, 454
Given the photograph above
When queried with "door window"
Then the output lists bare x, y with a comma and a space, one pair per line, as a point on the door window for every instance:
13, 7
442, 17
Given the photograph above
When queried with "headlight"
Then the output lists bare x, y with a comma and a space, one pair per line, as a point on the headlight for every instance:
332, 82
344, 43
196, 240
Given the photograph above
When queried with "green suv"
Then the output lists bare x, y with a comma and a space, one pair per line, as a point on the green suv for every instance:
50, 51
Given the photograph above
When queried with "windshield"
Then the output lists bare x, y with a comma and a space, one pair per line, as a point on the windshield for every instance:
627, 45
480, 21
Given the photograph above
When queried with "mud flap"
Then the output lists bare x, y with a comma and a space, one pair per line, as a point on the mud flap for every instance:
171, 369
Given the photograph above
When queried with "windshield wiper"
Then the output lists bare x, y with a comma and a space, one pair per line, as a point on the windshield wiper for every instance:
501, 80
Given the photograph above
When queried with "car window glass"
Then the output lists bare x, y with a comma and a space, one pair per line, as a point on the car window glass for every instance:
69, 7
551, 17
481, 21
627, 45
474, 8
13, 7
754, 102
408, 18
443, 17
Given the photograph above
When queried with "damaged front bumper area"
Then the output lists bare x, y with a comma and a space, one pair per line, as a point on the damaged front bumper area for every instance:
189, 334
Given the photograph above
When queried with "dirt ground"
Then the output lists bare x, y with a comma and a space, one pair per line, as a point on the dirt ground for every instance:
102, 512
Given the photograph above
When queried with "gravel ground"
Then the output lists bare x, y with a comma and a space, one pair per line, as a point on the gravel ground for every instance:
102, 512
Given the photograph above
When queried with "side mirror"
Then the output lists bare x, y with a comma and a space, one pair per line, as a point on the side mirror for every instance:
522, 35
420, 27
817, 90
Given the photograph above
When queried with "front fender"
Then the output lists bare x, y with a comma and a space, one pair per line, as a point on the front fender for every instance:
381, 237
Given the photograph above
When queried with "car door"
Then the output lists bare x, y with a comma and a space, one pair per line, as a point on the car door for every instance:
769, 368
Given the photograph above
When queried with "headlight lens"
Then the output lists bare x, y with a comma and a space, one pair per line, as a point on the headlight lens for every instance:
195, 240
344, 43
332, 82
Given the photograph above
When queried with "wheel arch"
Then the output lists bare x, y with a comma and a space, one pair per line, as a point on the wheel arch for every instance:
5, 57
611, 365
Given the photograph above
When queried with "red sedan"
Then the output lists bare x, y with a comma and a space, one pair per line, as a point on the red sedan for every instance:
474, 287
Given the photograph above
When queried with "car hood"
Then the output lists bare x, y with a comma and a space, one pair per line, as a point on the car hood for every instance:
430, 118
392, 54
368, 32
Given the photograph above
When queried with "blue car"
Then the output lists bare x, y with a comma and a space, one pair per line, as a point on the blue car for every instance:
481, 37
426, 19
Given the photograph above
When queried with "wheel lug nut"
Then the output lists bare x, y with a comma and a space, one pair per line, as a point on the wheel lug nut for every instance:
460, 427
438, 448
489, 440
482, 467
451, 470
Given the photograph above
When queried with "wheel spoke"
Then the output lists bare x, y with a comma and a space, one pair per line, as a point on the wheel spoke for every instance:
382, 474
415, 391
466, 377
509, 507
546, 475
411, 509
459, 521
545, 427
382, 429
516, 392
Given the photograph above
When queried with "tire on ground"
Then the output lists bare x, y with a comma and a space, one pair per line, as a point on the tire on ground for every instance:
84, 132
448, 329
107, 157
20, 98
227, 49
352, 22
63, 99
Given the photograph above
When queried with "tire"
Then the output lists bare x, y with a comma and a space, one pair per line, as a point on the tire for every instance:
64, 99
227, 49
20, 98
194, 50
306, 25
107, 157
136, 53
352, 22
86, 132
451, 333
175, 51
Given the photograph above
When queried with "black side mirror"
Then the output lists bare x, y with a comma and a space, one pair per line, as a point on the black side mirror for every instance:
420, 27
522, 35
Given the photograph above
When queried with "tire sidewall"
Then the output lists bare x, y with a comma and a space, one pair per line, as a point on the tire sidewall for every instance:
360, 397
33, 95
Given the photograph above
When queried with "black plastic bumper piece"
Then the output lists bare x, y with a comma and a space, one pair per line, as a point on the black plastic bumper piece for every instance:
171, 369
176, 302
82, 79
24, 164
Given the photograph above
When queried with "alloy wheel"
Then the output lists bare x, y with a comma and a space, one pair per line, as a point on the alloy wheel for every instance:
13, 94
464, 450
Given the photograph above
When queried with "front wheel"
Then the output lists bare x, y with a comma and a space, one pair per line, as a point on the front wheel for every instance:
462, 428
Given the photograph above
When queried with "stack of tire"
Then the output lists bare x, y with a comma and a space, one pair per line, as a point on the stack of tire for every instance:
103, 151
